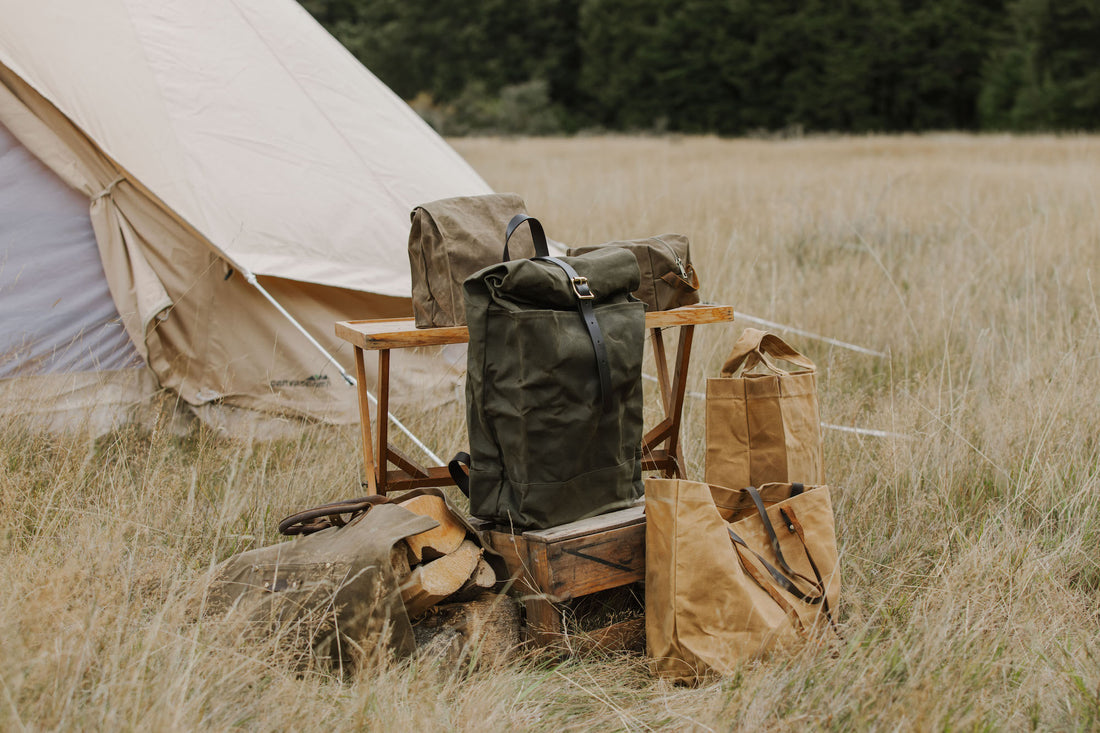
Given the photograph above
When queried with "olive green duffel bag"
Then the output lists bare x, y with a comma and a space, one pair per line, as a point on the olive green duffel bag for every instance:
553, 386
449, 240
668, 277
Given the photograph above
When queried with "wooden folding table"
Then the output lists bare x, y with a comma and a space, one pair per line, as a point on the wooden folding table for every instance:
661, 444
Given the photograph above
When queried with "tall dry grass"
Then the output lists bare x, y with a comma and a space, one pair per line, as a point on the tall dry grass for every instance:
970, 539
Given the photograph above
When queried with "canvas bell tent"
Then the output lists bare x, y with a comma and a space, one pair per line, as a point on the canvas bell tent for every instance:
184, 184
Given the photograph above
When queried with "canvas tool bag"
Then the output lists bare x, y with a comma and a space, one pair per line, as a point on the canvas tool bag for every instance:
762, 421
553, 386
450, 240
668, 279
734, 573
331, 596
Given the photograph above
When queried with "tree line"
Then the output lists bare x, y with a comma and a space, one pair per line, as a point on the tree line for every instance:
731, 67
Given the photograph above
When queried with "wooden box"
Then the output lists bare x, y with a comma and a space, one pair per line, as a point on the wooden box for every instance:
552, 566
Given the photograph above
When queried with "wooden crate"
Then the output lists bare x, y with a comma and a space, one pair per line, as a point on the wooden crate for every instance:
552, 566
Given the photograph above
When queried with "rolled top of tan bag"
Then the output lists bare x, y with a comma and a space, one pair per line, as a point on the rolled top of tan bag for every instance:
755, 346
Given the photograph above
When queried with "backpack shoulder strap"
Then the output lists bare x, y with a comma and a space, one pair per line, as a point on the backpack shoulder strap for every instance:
585, 296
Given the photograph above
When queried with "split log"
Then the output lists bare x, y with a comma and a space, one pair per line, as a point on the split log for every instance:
430, 583
435, 543
485, 631
483, 579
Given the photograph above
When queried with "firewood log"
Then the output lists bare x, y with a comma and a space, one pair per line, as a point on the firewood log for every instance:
485, 630
430, 583
482, 579
435, 543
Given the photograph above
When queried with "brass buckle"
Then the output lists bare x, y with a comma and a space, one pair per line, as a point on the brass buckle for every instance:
582, 282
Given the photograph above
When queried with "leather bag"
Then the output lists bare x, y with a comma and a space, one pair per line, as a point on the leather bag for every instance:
762, 420
331, 596
449, 240
732, 574
667, 277
553, 386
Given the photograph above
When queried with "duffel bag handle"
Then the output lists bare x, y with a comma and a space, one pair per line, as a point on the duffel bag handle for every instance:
761, 344
538, 236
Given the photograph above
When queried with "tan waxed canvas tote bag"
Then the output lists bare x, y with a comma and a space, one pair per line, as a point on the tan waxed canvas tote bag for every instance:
734, 573
762, 420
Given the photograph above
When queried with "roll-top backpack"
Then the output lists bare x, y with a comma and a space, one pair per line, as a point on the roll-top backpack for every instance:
553, 385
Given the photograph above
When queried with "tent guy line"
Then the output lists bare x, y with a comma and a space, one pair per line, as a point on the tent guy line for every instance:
807, 334
827, 426
251, 280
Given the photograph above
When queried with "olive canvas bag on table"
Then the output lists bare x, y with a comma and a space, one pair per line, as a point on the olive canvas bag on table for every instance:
449, 240
667, 277
553, 386
762, 419
732, 574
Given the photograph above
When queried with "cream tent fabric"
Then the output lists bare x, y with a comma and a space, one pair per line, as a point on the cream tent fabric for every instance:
210, 139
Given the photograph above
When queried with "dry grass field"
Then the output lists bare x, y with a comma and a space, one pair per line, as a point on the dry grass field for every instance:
969, 536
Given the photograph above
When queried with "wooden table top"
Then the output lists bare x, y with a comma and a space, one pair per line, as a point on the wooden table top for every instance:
400, 333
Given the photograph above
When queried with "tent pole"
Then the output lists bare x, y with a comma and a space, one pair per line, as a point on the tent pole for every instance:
251, 280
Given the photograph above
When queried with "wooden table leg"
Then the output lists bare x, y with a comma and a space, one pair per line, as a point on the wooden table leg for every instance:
662, 367
672, 397
679, 388
364, 421
673, 390
383, 419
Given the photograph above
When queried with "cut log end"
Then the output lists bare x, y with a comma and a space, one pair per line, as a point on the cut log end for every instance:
440, 541
399, 560
430, 583
485, 630
483, 579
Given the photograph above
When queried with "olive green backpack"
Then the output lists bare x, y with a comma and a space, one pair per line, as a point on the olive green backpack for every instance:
553, 386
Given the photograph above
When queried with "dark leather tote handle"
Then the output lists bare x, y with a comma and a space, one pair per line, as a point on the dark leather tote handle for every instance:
538, 236
817, 596
784, 581
781, 580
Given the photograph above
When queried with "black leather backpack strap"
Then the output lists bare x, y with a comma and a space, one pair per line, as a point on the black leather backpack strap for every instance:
458, 475
585, 296
538, 235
